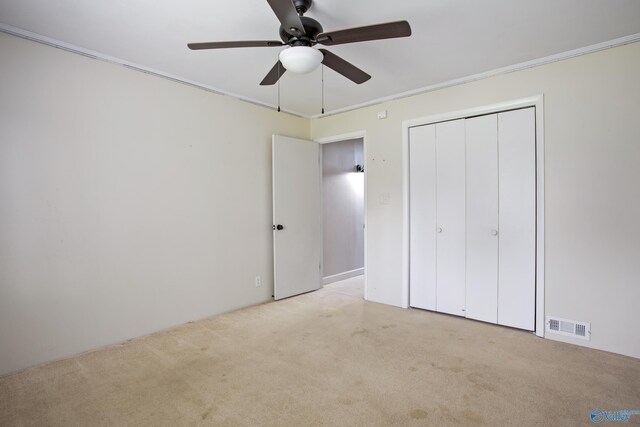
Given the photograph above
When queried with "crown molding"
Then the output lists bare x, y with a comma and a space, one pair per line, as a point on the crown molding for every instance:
38, 38
28, 35
498, 71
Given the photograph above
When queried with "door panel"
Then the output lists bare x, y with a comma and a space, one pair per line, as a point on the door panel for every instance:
517, 216
482, 218
422, 217
296, 206
450, 212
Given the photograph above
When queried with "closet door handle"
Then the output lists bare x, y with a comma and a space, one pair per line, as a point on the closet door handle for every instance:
494, 232
439, 230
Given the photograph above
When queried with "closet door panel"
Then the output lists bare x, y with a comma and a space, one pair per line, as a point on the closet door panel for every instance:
482, 218
450, 211
422, 217
517, 217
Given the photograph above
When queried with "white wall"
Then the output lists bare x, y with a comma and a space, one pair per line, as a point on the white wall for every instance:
128, 203
343, 207
592, 161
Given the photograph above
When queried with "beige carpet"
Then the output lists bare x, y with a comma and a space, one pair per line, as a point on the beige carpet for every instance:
326, 358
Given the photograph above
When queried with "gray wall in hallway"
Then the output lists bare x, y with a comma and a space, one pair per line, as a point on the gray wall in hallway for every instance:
343, 206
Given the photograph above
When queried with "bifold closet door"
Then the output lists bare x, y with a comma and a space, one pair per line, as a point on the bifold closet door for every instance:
450, 217
422, 217
517, 218
482, 218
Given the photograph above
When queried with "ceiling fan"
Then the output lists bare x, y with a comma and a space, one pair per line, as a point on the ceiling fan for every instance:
301, 33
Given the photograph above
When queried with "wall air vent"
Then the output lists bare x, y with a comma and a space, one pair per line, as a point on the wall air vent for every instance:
569, 328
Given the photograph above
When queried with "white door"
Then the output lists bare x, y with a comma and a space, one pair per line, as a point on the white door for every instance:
450, 221
472, 218
482, 218
517, 216
297, 216
422, 217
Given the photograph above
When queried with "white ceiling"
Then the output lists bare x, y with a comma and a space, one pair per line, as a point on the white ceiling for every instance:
451, 39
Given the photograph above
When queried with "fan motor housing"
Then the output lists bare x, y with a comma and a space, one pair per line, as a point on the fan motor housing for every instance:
311, 28
302, 5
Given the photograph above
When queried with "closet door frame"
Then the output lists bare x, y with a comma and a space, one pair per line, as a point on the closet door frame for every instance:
533, 101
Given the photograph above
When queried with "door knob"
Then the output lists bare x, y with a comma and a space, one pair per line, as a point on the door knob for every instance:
494, 232
439, 230
279, 227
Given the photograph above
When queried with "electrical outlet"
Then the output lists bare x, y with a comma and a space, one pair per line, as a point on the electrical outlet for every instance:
258, 281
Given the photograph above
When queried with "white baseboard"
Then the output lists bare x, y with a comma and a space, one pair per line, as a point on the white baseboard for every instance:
342, 276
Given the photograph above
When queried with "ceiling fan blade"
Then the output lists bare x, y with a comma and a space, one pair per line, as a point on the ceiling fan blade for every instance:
343, 67
288, 16
389, 30
274, 75
225, 45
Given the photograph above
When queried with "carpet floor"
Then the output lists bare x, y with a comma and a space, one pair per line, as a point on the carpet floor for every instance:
326, 358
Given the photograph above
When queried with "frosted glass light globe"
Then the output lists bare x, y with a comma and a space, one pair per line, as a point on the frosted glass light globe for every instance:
301, 59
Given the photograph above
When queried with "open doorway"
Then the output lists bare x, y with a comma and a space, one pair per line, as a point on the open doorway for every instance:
343, 201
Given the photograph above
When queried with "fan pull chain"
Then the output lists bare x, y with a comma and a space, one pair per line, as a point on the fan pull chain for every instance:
322, 88
278, 86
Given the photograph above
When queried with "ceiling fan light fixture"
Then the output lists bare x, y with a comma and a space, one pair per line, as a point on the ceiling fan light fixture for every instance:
301, 59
